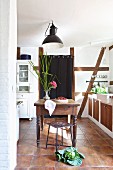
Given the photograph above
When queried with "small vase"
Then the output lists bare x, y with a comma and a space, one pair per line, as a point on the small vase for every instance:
46, 97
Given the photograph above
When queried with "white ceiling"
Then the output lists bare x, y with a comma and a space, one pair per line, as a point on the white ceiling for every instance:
79, 22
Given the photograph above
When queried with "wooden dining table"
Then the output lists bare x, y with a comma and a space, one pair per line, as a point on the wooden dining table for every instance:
62, 108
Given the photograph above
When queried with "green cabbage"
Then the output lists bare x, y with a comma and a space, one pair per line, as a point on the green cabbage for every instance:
70, 156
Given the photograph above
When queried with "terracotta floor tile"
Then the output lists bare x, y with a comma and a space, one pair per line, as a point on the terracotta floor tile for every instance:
22, 133
104, 149
30, 136
26, 149
42, 168
86, 150
31, 131
43, 151
48, 161
104, 135
98, 142
61, 165
67, 168
28, 141
96, 145
92, 161
107, 160
24, 161
109, 141
21, 168
82, 142
93, 136
96, 168
81, 136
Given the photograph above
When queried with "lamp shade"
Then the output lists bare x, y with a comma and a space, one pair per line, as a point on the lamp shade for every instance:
52, 40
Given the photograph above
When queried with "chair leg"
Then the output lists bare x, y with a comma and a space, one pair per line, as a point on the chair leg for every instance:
56, 139
71, 134
47, 136
62, 136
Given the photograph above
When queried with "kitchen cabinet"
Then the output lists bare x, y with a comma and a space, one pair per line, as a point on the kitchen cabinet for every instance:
96, 109
27, 106
23, 72
24, 111
102, 112
90, 106
25, 89
106, 115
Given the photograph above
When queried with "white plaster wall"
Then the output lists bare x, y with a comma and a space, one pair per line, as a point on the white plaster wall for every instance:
82, 76
87, 57
33, 51
8, 43
111, 64
60, 51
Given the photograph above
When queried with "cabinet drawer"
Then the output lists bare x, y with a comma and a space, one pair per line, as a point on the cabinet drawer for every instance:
96, 109
106, 115
22, 95
90, 106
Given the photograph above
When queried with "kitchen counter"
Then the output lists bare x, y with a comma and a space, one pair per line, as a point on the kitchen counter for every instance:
101, 111
106, 98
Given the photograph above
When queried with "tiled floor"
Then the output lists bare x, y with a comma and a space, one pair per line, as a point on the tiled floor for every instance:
96, 145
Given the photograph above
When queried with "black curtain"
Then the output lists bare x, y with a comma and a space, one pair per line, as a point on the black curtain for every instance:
62, 67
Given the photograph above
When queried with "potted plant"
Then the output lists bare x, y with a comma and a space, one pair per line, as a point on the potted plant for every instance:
46, 79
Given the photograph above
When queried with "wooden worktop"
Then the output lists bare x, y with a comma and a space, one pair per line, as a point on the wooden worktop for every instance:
70, 102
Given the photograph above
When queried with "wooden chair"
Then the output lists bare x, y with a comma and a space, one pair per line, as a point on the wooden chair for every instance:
58, 125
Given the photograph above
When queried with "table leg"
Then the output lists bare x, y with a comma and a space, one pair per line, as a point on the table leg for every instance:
42, 122
38, 130
74, 130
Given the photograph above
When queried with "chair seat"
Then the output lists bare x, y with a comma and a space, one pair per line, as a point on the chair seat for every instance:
58, 125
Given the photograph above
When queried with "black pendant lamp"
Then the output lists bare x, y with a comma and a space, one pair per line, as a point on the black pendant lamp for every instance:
52, 40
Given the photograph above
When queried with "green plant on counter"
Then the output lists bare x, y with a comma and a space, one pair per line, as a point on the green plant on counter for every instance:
99, 90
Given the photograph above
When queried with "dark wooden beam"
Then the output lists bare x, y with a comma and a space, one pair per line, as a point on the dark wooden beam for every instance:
41, 51
91, 82
18, 53
110, 47
111, 82
72, 51
82, 93
90, 68
73, 76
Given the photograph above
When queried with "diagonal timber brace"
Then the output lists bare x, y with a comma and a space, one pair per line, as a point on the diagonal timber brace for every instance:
91, 82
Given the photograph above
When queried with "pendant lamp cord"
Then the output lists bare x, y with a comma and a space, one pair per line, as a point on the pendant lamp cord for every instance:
47, 28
